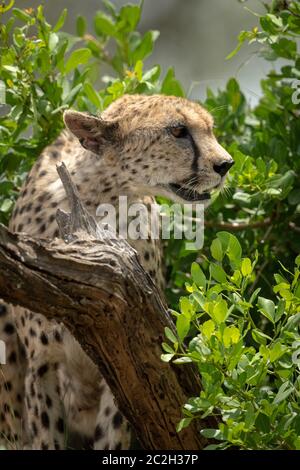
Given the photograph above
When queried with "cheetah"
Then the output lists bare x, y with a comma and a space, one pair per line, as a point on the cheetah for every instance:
141, 147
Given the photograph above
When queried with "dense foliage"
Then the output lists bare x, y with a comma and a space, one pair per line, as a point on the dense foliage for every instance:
246, 348
241, 319
239, 322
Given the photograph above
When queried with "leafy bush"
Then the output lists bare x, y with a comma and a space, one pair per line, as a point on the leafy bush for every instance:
246, 349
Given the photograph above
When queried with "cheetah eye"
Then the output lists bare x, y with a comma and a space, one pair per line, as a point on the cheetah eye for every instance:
179, 132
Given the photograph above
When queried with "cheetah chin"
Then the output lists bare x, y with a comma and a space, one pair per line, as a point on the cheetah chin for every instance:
188, 194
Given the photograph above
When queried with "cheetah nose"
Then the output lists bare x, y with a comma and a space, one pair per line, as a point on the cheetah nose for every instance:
222, 168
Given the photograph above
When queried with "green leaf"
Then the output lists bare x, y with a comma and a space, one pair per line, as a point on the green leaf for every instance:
217, 272
171, 86
145, 47
271, 23
296, 443
277, 350
254, 295
166, 347
260, 337
236, 278
267, 308
92, 95
182, 360
103, 24
110, 7
280, 310
71, 97
183, 423
198, 275
232, 247
294, 197
216, 249
284, 391
138, 70
186, 307
166, 357
129, 17
200, 299
292, 322
246, 267
61, 21
282, 286
263, 423
80, 56
221, 446
220, 311
22, 15
273, 192
6, 205
211, 433
116, 89
5, 187
4, 8
170, 335
285, 48
182, 326
231, 336
152, 75
282, 182
208, 328
53, 41
81, 25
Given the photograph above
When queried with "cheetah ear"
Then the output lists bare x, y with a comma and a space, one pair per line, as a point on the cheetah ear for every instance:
92, 132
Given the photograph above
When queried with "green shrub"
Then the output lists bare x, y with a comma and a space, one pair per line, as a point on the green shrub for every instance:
246, 349
238, 327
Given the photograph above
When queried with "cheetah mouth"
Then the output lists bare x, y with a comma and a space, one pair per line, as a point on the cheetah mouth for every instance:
187, 194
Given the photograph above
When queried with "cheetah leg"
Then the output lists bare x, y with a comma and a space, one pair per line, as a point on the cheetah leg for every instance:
44, 407
12, 373
82, 382
43, 403
89, 403
112, 431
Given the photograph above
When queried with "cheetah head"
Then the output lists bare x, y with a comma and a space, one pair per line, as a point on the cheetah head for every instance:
162, 145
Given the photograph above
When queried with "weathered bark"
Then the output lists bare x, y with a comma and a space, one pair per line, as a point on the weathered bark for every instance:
96, 286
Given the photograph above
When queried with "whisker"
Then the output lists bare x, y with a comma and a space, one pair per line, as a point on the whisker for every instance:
192, 180
218, 108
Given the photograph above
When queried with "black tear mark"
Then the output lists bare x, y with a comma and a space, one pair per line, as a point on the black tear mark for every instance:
195, 162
